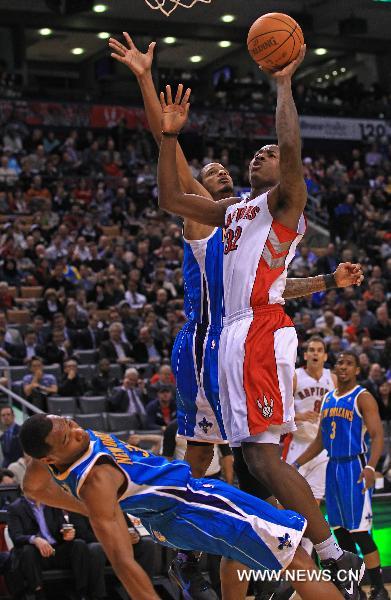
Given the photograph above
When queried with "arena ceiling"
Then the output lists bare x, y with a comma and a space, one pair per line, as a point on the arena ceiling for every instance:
198, 30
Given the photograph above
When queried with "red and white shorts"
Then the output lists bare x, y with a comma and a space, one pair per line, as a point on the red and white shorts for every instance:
257, 356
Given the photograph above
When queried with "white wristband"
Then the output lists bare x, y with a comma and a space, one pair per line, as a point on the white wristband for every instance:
369, 467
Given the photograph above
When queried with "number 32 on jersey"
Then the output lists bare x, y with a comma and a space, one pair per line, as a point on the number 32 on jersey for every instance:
231, 239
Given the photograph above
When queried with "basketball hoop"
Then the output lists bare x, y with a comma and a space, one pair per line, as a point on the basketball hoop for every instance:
168, 6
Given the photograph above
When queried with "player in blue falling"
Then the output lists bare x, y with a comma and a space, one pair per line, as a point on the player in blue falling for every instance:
100, 476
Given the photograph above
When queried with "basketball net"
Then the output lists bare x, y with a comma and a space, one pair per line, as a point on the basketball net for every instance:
168, 6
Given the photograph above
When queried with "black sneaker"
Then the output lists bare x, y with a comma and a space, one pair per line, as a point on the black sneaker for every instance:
348, 562
379, 594
187, 576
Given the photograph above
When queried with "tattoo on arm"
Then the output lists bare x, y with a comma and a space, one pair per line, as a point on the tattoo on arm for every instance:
296, 287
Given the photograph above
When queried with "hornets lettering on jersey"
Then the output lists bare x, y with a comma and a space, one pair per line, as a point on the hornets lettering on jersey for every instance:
195, 353
344, 437
191, 514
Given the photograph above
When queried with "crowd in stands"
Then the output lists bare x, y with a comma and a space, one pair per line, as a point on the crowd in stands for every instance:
89, 264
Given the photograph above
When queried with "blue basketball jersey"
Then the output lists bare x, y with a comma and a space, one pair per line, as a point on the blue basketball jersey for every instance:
343, 428
145, 473
203, 279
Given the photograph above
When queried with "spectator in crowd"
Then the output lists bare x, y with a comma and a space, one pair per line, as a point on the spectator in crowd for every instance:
374, 381
384, 400
382, 329
91, 336
116, 349
41, 543
37, 385
9, 441
9, 352
145, 552
72, 383
147, 349
7, 477
12, 336
50, 304
18, 468
130, 397
102, 382
31, 347
161, 411
58, 348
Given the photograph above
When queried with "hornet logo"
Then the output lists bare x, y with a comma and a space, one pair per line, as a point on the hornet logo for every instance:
267, 407
205, 425
285, 541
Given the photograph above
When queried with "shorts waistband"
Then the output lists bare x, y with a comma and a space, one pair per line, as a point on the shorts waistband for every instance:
251, 312
344, 459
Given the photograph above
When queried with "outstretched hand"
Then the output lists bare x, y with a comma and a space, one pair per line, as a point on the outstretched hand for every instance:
131, 56
288, 71
175, 113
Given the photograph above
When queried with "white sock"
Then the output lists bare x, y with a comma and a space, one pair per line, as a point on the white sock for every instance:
307, 545
328, 549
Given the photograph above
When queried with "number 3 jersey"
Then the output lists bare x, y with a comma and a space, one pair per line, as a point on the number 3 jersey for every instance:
343, 428
257, 253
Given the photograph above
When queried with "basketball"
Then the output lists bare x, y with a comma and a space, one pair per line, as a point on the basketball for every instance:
274, 40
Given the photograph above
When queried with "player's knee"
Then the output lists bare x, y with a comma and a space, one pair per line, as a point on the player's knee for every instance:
199, 457
365, 542
258, 462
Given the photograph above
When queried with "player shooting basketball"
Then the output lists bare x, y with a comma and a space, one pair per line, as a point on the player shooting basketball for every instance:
258, 344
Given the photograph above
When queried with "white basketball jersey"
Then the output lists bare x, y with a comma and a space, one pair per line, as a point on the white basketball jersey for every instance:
257, 252
308, 396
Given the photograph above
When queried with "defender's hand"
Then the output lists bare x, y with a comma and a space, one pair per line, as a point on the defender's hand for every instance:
348, 274
131, 56
175, 112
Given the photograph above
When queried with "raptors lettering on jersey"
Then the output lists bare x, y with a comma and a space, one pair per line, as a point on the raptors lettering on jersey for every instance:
308, 397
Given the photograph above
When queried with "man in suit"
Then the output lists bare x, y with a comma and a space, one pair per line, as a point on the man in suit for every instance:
41, 542
10, 445
146, 349
58, 349
146, 553
90, 337
130, 397
116, 349
31, 347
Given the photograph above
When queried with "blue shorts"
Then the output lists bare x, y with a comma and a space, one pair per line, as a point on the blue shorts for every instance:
195, 366
346, 505
214, 517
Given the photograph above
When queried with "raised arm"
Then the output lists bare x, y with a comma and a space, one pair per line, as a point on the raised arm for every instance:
288, 199
197, 208
100, 494
345, 275
141, 65
39, 485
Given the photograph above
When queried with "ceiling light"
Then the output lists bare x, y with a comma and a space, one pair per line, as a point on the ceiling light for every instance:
99, 8
225, 44
343, 69
103, 35
335, 73
77, 51
45, 31
195, 59
320, 51
228, 18
327, 76
319, 80
169, 40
